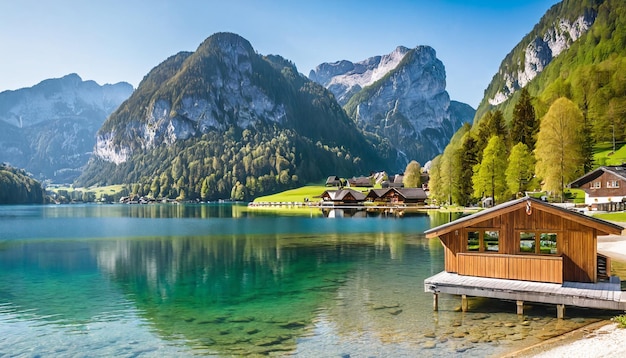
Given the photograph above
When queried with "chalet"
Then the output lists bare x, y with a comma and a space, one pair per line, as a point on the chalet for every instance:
343, 197
397, 181
362, 181
333, 180
527, 249
397, 196
604, 185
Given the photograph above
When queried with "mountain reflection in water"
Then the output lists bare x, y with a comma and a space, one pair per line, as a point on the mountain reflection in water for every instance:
219, 280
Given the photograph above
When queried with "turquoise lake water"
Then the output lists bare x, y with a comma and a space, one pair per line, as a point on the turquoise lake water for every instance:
219, 280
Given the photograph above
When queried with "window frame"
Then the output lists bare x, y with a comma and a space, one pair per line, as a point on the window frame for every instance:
482, 245
612, 184
538, 233
596, 185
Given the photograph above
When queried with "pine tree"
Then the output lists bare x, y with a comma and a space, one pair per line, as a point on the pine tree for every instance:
524, 126
468, 159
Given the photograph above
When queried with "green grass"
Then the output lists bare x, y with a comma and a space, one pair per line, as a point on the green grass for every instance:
577, 196
619, 216
621, 320
297, 195
604, 154
294, 195
99, 190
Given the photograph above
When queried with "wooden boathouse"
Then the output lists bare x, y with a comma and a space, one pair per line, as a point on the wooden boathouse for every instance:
527, 250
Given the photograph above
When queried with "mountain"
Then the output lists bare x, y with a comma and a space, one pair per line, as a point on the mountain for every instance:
400, 97
16, 187
49, 129
226, 122
588, 71
570, 37
582, 47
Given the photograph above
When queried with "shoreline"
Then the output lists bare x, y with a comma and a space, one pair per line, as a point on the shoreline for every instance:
599, 339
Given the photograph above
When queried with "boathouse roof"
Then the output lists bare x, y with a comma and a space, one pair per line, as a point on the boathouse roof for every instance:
603, 227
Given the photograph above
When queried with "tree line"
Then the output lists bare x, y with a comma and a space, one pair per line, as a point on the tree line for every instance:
501, 161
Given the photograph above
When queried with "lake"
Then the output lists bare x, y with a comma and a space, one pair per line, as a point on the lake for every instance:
221, 280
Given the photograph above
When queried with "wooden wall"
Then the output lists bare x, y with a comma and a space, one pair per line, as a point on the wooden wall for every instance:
512, 267
576, 245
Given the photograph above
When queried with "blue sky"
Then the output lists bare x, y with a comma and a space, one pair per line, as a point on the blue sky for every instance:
110, 41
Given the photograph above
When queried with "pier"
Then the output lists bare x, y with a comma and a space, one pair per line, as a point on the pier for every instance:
600, 295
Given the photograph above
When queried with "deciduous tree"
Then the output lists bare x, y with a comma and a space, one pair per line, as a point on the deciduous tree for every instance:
488, 176
412, 175
520, 168
559, 151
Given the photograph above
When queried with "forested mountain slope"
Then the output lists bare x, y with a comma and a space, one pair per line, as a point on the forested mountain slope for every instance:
588, 76
16, 187
225, 122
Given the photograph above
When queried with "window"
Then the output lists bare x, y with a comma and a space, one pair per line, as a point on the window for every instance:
538, 243
473, 241
612, 184
547, 243
527, 242
483, 241
596, 185
490, 240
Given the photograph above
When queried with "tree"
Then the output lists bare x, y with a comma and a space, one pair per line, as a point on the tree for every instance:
490, 124
524, 126
412, 175
559, 151
520, 168
448, 174
496, 124
468, 159
434, 180
488, 175
204, 190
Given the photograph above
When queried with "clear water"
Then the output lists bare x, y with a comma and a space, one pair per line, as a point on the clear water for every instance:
218, 280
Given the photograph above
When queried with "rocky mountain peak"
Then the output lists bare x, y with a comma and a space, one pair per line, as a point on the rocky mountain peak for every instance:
344, 78
400, 96
539, 51
49, 129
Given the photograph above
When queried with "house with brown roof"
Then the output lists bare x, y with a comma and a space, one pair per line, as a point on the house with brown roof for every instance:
527, 249
362, 181
333, 180
397, 196
344, 196
606, 184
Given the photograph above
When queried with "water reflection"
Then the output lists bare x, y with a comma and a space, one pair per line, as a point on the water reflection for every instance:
236, 283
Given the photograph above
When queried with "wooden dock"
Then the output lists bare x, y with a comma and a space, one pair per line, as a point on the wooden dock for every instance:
602, 295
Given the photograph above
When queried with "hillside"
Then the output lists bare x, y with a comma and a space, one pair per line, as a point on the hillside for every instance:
225, 122
583, 47
49, 129
16, 187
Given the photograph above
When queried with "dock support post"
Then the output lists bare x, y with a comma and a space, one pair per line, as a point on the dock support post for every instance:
520, 307
464, 303
435, 301
560, 311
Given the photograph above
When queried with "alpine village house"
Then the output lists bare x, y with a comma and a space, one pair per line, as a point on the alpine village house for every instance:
605, 188
527, 250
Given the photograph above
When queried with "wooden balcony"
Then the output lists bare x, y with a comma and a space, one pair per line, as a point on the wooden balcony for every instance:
536, 268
